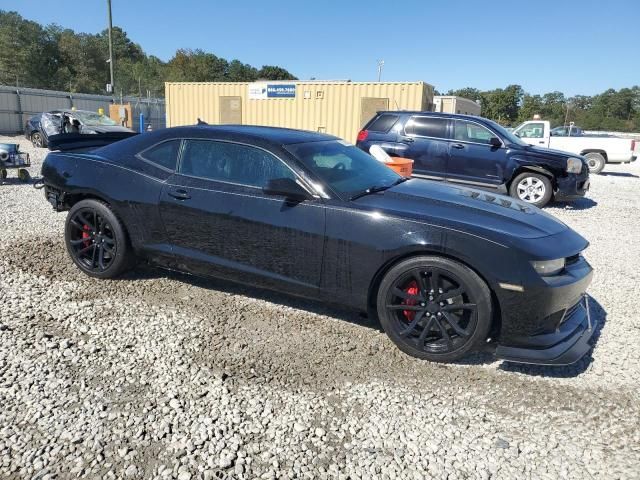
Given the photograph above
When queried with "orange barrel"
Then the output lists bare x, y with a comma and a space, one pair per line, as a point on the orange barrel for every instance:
402, 166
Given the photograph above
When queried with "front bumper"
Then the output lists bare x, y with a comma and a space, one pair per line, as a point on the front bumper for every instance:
572, 187
568, 344
549, 322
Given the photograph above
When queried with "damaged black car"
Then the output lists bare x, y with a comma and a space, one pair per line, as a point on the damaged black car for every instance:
447, 269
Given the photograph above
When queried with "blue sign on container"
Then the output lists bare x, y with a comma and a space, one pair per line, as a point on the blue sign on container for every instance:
281, 91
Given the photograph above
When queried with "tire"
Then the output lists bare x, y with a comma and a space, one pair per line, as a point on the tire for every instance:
38, 140
102, 252
532, 188
442, 326
23, 175
596, 162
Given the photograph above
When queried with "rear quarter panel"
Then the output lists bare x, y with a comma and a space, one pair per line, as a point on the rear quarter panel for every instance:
132, 195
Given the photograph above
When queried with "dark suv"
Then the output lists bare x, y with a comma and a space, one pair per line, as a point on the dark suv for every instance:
477, 152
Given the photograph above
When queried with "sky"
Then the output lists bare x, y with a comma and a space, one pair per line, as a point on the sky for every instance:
573, 46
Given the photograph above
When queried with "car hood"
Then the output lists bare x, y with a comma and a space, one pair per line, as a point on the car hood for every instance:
548, 153
476, 211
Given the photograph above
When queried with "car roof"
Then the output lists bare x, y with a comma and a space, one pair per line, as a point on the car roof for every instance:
432, 114
276, 135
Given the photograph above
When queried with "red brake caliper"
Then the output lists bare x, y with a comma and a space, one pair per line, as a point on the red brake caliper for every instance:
86, 235
411, 289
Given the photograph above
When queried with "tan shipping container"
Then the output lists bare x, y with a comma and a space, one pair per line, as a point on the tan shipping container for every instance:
339, 108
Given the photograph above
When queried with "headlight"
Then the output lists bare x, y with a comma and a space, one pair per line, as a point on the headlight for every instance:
548, 267
574, 165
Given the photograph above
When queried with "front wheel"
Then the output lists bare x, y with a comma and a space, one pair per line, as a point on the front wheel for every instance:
96, 240
596, 162
532, 188
37, 140
434, 308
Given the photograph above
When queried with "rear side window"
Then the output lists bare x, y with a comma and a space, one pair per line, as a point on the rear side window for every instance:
164, 154
383, 123
231, 162
427, 127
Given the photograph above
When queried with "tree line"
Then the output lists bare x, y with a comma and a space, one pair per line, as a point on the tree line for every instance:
611, 110
57, 58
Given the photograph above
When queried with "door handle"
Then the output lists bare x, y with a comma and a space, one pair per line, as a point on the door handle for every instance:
459, 146
179, 194
541, 141
408, 140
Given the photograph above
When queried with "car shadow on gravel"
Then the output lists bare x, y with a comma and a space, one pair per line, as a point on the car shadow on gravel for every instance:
15, 181
598, 319
619, 174
579, 204
230, 287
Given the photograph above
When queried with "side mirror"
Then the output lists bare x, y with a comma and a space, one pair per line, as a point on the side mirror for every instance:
516, 134
287, 188
495, 142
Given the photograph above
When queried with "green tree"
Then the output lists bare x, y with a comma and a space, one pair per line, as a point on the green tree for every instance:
270, 72
28, 53
468, 92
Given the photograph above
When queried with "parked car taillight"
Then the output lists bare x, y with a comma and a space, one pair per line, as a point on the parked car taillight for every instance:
362, 135
633, 145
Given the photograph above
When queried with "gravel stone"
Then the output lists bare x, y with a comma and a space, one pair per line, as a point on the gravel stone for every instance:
201, 379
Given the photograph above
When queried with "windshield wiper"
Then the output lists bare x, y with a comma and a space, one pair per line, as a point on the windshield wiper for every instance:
377, 188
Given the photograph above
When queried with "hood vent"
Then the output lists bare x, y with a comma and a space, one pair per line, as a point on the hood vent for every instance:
497, 200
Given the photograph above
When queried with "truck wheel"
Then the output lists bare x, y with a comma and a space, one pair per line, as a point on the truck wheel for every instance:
596, 162
532, 188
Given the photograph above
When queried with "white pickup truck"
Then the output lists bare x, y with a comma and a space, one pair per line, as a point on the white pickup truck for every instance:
598, 150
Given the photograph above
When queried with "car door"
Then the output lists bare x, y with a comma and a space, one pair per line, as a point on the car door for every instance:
472, 157
220, 222
427, 145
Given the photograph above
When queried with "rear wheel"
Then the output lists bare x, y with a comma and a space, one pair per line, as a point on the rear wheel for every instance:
595, 161
96, 240
37, 140
434, 308
532, 188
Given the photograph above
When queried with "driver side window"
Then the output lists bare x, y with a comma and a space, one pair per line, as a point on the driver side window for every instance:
472, 132
232, 163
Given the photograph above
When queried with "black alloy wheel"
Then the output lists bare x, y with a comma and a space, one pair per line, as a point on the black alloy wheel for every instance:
434, 308
96, 240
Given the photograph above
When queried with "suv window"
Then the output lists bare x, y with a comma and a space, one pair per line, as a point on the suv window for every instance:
471, 132
383, 123
231, 162
531, 130
164, 154
427, 127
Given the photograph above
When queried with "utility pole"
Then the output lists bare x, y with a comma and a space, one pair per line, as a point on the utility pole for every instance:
110, 45
380, 65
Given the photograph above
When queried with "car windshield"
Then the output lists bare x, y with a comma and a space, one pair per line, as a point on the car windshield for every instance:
93, 119
345, 168
506, 134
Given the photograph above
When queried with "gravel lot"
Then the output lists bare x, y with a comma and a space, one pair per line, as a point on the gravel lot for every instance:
166, 376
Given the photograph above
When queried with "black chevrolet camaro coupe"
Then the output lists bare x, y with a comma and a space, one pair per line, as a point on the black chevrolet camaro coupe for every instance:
447, 269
